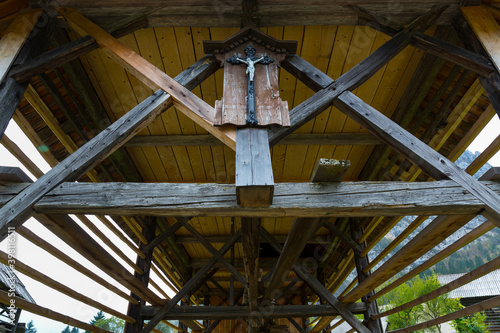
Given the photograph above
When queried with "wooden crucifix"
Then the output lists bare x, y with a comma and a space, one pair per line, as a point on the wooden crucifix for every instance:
251, 60
251, 102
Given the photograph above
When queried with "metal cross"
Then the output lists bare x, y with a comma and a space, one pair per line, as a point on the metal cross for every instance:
250, 61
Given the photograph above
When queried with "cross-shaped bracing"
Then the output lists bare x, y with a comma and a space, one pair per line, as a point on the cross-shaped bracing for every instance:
388, 131
94, 151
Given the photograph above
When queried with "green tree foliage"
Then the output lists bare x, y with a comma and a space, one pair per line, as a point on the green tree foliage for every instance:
99, 320
66, 330
475, 323
75, 330
30, 327
432, 309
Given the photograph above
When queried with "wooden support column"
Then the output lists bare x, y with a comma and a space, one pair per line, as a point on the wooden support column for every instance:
148, 231
374, 325
188, 287
254, 172
11, 92
320, 289
303, 228
250, 237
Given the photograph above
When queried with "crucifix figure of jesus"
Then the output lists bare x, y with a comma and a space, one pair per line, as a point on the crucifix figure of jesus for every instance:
250, 61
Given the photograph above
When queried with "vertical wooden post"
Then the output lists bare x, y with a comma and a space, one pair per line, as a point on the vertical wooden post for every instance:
375, 326
148, 232
254, 172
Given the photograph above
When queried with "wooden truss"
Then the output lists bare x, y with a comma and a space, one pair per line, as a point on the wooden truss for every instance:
455, 196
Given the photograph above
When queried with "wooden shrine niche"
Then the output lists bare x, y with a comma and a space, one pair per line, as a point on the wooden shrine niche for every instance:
251, 59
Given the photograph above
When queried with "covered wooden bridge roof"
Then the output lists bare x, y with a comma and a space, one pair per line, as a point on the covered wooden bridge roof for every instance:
398, 91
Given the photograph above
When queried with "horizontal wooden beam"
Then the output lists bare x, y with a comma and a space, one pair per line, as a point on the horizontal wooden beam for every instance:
101, 146
235, 312
348, 139
291, 199
222, 239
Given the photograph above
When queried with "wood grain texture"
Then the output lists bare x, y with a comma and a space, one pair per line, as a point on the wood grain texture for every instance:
235, 312
184, 100
486, 29
290, 199
14, 38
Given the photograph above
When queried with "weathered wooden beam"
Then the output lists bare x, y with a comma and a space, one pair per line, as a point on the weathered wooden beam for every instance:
184, 100
43, 244
443, 49
374, 324
347, 240
99, 147
302, 228
462, 280
148, 231
47, 313
216, 254
323, 99
419, 153
349, 139
254, 171
466, 239
15, 36
250, 239
70, 51
222, 239
481, 306
235, 312
161, 314
290, 199
51, 283
320, 289
163, 236
486, 28
11, 92
491, 84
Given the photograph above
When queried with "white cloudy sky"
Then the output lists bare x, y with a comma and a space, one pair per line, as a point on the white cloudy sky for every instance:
45, 263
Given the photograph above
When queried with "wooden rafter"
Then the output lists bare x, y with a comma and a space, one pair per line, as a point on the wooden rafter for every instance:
98, 148
290, 199
487, 30
184, 100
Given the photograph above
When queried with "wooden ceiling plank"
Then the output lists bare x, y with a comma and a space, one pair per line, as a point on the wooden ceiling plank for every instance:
185, 101
14, 38
320, 289
448, 51
486, 29
290, 199
160, 315
355, 77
